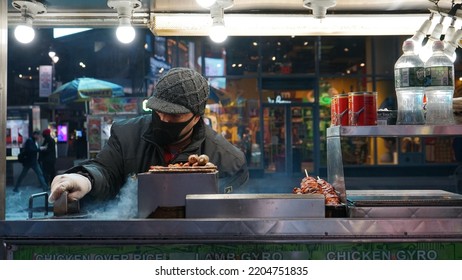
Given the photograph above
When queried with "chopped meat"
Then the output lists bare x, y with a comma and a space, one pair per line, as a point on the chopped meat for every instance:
318, 186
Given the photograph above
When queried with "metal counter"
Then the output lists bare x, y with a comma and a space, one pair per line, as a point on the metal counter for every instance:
234, 229
326, 238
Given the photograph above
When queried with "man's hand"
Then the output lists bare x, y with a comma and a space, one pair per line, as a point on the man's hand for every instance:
76, 185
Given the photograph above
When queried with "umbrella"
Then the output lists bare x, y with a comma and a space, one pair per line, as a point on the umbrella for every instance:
83, 88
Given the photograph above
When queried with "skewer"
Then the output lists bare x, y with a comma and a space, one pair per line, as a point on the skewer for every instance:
306, 173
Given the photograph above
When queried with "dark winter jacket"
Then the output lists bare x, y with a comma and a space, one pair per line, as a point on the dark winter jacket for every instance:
31, 149
48, 155
130, 150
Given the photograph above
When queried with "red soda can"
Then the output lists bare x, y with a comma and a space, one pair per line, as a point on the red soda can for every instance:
342, 109
362, 108
334, 110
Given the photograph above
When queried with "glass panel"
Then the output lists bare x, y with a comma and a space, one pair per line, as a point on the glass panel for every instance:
343, 55
186, 50
233, 111
329, 87
386, 50
274, 139
214, 59
288, 55
302, 139
242, 55
324, 123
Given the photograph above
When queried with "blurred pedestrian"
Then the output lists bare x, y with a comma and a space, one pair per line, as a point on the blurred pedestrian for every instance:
32, 149
47, 156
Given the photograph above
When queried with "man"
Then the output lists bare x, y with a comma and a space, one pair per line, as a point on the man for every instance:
174, 131
47, 156
31, 149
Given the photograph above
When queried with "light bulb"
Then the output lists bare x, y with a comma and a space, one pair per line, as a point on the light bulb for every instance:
205, 3
426, 51
24, 33
452, 44
218, 33
125, 34
421, 33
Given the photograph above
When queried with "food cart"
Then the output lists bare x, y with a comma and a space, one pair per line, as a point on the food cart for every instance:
346, 237
402, 224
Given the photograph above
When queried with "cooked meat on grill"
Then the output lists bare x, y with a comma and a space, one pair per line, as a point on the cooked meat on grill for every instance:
319, 186
194, 163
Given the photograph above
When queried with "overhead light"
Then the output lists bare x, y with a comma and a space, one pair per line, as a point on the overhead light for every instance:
319, 7
217, 31
205, 3
426, 50
452, 44
24, 32
421, 33
51, 54
125, 32
182, 24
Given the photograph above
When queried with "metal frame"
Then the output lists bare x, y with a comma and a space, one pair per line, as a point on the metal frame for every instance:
263, 230
3, 101
335, 172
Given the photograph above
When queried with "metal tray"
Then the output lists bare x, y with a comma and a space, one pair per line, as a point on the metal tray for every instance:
404, 204
403, 198
255, 206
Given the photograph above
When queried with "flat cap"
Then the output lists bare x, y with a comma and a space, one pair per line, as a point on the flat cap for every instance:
180, 91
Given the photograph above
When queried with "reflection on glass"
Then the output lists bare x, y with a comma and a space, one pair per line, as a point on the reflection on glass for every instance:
288, 55
343, 55
274, 139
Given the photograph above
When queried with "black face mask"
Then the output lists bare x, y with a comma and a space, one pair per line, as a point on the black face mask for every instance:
166, 133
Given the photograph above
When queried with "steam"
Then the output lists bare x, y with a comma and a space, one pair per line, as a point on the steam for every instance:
123, 206
17, 205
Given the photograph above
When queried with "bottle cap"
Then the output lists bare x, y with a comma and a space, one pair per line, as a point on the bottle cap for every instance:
408, 45
438, 46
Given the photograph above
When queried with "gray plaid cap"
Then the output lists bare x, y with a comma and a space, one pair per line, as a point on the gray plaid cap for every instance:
180, 91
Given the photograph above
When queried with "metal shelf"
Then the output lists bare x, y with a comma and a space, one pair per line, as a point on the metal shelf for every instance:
394, 130
335, 172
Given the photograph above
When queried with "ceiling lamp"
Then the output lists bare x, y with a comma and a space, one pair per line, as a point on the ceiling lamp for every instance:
426, 50
24, 32
206, 3
421, 33
218, 32
319, 7
125, 32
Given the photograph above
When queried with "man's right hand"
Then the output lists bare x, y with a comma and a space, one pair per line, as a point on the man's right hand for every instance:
76, 185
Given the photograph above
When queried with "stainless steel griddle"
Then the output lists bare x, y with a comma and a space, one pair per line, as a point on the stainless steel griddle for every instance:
404, 204
255, 206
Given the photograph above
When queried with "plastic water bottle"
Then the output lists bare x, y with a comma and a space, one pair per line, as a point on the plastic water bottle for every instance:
409, 85
439, 87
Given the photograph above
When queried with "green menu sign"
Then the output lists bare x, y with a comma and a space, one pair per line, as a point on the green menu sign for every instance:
239, 251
